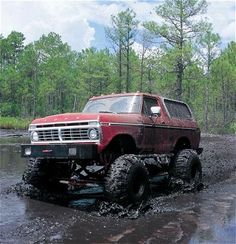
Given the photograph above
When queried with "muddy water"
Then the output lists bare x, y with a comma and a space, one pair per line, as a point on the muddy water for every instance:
207, 216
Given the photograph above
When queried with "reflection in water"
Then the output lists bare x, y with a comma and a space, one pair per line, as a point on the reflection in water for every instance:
12, 165
85, 198
82, 202
217, 221
12, 208
216, 233
227, 232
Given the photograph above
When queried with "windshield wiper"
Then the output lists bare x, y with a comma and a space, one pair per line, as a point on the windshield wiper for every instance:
107, 112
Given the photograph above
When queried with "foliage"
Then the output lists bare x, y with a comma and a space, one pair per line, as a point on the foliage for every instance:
178, 31
180, 57
122, 36
14, 123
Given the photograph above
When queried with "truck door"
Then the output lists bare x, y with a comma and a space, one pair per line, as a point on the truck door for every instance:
151, 137
155, 127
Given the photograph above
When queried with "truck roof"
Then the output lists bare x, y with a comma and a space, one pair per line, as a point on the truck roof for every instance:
124, 94
135, 94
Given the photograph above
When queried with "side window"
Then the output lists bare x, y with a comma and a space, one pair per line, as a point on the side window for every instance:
147, 104
178, 109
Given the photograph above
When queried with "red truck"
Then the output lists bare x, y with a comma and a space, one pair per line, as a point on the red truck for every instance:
119, 141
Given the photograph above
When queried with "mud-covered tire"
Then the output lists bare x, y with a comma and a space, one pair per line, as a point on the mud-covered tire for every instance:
43, 174
127, 180
34, 174
187, 167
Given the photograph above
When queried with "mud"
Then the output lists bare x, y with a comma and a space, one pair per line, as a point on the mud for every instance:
218, 158
175, 215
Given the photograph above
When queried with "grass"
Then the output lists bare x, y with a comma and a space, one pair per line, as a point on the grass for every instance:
14, 123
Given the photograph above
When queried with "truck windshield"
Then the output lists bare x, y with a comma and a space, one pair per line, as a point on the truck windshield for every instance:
119, 104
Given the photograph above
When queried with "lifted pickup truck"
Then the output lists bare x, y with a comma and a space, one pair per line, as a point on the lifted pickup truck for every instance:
119, 141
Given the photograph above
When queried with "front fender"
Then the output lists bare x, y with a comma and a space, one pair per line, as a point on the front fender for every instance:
110, 131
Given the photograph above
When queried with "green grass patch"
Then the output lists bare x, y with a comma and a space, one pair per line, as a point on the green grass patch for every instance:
14, 123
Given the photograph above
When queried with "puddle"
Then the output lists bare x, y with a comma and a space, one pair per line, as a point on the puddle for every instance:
179, 216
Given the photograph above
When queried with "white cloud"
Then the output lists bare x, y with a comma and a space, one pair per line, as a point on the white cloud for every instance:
70, 20
222, 14
150, 52
73, 19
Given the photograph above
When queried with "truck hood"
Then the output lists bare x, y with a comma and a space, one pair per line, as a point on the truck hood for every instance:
68, 117
77, 117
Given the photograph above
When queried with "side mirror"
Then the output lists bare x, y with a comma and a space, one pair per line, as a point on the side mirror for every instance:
156, 111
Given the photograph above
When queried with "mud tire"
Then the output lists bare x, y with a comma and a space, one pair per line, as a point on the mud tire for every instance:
34, 175
44, 175
187, 167
127, 180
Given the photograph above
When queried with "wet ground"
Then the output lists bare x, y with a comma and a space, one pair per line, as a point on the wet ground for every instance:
174, 216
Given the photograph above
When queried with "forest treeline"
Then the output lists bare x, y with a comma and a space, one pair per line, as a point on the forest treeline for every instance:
180, 57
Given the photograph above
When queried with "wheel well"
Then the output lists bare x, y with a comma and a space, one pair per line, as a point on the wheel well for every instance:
123, 144
182, 143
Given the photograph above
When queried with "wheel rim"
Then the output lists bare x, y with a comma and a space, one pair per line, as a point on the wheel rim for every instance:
195, 174
138, 186
138, 189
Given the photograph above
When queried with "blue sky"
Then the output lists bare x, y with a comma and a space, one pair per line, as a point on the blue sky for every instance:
81, 23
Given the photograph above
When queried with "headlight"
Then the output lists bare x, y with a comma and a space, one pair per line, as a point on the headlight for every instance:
34, 136
93, 134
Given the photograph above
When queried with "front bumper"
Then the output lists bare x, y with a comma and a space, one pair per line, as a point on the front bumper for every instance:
62, 151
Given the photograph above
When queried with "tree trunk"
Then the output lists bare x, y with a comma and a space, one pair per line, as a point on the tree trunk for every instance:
149, 81
141, 73
206, 111
127, 71
180, 66
119, 87
74, 103
179, 79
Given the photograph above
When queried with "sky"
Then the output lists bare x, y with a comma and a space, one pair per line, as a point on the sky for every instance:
81, 23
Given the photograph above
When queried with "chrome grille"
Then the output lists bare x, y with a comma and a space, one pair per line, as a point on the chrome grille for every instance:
48, 135
74, 134
69, 132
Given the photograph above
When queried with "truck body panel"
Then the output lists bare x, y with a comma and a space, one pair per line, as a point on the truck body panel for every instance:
150, 133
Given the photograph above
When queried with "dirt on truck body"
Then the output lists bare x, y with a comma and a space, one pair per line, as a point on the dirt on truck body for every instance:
119, 141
